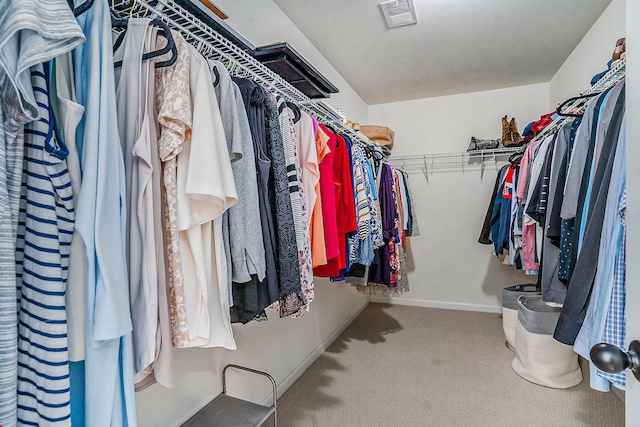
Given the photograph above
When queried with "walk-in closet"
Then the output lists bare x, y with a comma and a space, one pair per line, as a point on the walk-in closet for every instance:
319, 213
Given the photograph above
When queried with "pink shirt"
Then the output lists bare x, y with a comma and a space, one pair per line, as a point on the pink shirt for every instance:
528, 227
524, 172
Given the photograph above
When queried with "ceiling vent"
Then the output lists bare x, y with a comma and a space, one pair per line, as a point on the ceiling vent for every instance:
399, 13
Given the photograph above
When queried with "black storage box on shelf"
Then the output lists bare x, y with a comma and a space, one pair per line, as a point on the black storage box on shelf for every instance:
282, 59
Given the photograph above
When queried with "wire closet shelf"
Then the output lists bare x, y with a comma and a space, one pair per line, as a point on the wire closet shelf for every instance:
239, 63
477, 159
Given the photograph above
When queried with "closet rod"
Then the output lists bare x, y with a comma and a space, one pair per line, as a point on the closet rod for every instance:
426, 163
212, 45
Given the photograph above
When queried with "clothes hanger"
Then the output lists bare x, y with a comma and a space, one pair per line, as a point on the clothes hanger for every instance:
295, 109
385, 151
118, 22
515, 158
372, 151
573, 100
329, 126
77, 11
216, 74
165, 31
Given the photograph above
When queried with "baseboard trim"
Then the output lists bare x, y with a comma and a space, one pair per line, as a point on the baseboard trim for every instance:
313, 356
437, 304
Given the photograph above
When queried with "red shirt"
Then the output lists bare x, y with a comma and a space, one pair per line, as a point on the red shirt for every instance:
345, 212
328, 195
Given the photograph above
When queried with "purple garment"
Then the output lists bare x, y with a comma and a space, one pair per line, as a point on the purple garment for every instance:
380, 270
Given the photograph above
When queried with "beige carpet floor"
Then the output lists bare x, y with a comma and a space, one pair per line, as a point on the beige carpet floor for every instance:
409, 366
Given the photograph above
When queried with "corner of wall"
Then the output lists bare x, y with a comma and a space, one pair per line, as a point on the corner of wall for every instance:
591, 55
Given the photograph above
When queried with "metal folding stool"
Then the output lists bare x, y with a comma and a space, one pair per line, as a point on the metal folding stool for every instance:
227, 411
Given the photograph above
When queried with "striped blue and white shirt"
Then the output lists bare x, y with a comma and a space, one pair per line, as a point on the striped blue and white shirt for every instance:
47, 224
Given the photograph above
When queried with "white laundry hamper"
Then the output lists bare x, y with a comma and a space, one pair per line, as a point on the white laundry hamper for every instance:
541, 359
510, 297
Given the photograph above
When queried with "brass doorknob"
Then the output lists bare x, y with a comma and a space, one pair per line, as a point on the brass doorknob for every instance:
611, 359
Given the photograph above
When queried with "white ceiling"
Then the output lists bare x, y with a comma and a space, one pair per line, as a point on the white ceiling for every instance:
457, 46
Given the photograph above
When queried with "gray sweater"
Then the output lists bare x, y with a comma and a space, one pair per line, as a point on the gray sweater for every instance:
244, 244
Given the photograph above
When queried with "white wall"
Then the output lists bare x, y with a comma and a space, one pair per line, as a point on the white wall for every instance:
447, 267
591, 55
263, 22
282, 347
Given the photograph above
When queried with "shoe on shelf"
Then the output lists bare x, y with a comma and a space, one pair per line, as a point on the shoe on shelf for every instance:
483, 144
515, 135
619, 53
621, 46
506, 132
511, 137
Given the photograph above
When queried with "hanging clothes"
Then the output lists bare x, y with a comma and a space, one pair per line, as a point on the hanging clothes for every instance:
377, 234
402, 281
44, 242
362, 253
615, 323
531, 228
151, 245
349, 198
407, 209
104, 383
552, 288
501, 214
287, 254
361, 244
309, 173
340, 194
161, 370
298, 202
585, 142
328, 197
383, 270
593, 327
133, 126
245, 256
31, 33
135, 96
317, 234
580, 285
251, 298
69, 114
173, 103
205, 189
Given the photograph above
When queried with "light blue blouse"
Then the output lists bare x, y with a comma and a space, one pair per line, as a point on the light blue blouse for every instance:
108, 398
